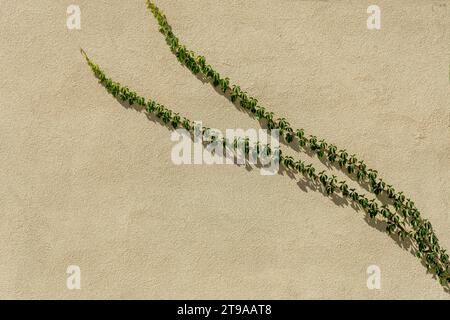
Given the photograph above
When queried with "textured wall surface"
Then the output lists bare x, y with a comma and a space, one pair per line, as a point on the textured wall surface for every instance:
86, 182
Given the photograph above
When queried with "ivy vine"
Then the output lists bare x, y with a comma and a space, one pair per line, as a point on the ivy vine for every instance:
404, 220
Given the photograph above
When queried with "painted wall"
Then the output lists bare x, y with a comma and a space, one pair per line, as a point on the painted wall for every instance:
86, 182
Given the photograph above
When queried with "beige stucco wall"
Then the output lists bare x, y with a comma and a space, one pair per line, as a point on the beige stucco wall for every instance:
87, 182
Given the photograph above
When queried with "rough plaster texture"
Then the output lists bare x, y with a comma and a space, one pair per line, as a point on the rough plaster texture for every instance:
85, 181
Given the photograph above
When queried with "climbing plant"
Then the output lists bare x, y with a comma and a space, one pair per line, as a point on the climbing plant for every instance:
405, 220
